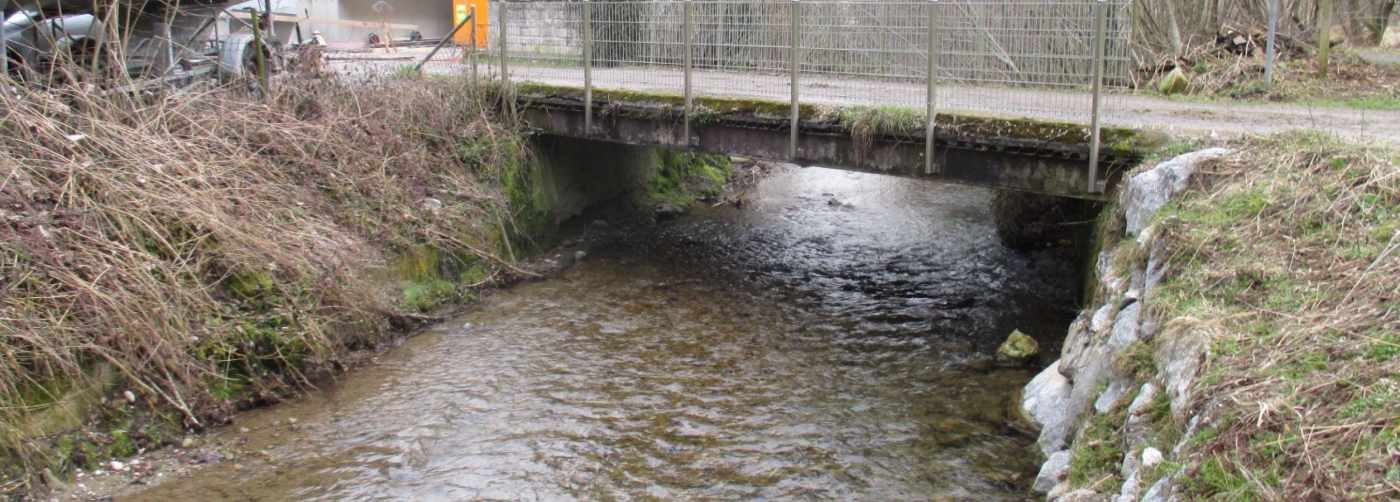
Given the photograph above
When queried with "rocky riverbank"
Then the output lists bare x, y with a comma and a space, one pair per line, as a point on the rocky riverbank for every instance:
1087, 382
1236, 319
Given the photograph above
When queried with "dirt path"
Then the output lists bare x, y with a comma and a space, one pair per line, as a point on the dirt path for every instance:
1181, 118
1381, 56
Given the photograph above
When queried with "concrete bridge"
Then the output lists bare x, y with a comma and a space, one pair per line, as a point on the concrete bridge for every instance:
1050, 158
873, 86
853, 84
905, 87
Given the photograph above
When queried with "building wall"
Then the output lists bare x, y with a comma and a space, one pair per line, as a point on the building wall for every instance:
433, 17
541, 28
327, 9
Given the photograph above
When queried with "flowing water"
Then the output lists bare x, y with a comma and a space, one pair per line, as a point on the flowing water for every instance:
799, 347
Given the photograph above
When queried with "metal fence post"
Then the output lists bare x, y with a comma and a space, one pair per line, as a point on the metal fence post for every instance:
472, 54
931, 99
1100, 29
168, 48
1270, 50
689, 95
506, 93
445, 40
271, 23
794, 56
587, 66
4, 44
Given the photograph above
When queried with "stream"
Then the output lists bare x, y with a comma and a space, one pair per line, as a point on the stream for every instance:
831, 339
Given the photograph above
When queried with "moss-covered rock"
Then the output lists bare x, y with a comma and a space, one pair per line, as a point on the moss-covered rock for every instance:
1175, 82
250, 285
427, 295
1018, 348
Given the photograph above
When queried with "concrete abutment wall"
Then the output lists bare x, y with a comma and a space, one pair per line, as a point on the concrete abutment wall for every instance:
575, 174
1027, 220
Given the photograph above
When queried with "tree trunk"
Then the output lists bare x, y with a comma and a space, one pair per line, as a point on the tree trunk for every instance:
1213, 22
1365, 21
1381, 20
1174, 30
1324, 44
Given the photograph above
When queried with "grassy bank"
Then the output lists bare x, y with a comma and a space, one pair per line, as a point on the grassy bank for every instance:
1284, 264
1287, 263
165, 260
1352, 82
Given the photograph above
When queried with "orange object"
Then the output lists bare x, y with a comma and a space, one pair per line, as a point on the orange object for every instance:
460, 10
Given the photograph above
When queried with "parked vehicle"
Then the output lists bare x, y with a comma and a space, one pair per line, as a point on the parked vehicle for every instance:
40, 37
33, 42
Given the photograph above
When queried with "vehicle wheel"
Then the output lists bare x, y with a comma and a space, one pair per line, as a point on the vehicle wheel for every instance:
239, 58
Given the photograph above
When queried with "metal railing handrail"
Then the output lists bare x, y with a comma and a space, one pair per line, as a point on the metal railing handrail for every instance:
1055, 55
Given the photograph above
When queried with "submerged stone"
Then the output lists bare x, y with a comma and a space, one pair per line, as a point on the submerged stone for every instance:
1018, 348
668, 210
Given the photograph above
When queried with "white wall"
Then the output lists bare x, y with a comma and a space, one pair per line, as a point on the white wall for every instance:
326, 9
433, 18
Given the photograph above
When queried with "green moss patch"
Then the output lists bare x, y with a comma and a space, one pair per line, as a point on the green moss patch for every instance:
861, 122
683, 177
1098, 453
427, 295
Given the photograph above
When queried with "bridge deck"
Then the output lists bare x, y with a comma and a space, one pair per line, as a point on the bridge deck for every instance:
1136, 111
1004, 154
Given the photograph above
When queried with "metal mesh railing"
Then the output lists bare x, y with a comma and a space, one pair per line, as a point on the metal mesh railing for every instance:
1000, 57
1024, 58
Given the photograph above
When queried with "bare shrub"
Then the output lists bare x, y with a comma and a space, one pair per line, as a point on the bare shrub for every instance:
202, 242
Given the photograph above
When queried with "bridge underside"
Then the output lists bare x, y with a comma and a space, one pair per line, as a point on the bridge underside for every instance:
1010, 163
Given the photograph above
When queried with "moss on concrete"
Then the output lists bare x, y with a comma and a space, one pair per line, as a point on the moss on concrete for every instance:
670, 104
680, 178
863, 121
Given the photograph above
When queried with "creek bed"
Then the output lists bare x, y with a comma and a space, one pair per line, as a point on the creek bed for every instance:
831, 339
